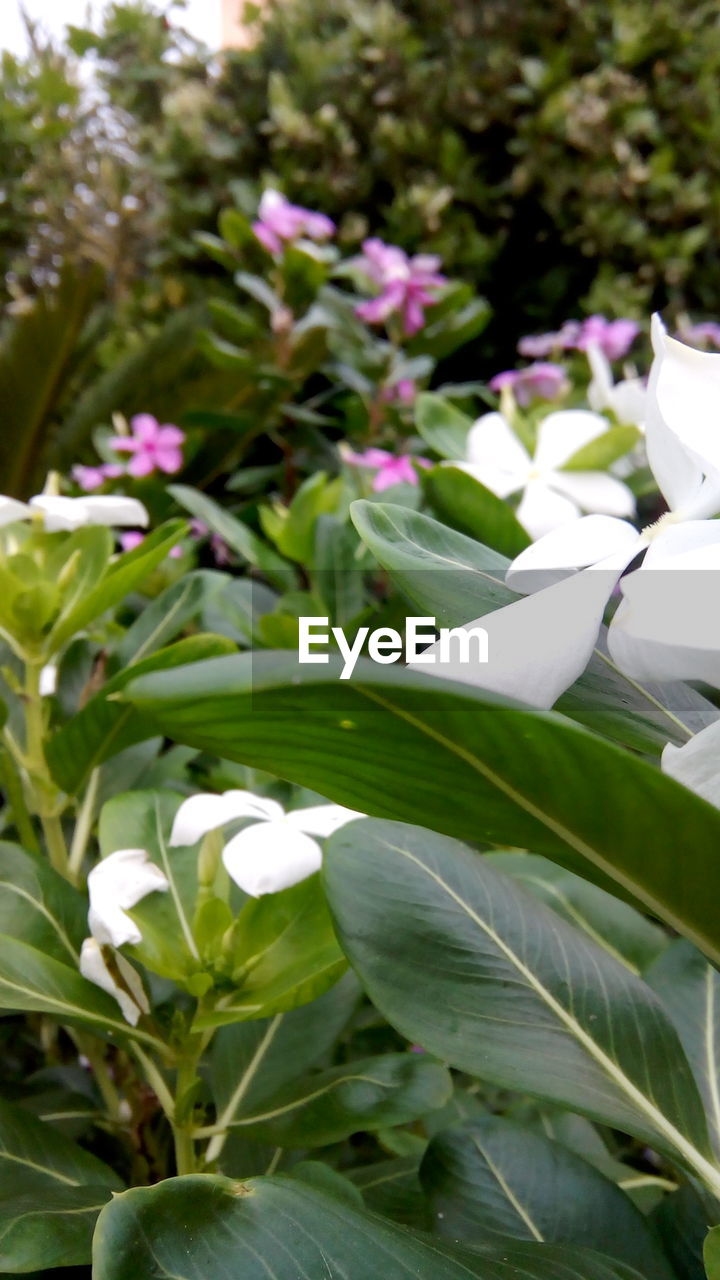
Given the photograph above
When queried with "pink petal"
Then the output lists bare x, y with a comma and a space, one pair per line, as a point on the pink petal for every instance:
143, 464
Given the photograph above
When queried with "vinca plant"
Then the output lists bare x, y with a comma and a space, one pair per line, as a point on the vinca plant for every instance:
411, 974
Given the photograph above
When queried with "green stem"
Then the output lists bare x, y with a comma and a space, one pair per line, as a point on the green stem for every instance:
44, 791
95, 1056
187, 1074
83, 826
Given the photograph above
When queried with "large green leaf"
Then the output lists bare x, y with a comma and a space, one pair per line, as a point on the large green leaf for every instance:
513, 994
456, 579
690, 990
711, 1254
624, 932
202, 1228
52, 1192
366, 1094
490, 1179
104, 727
398, 744
38, 906
465, 504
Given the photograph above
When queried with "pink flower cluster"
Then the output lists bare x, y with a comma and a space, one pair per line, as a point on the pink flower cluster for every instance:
540, 381
407, 285
703, 334
279, 223
613, 337
389, 468
153, 448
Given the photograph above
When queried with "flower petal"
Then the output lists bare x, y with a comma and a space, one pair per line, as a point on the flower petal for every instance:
577, 546
667, 627
697, 764
683, 416
502, 463
322, 819
595, 491
561, 434
60, 513
93, 966
269, 856
206, 812
114, 509
11, 510
541, 509
117, 883
537, 647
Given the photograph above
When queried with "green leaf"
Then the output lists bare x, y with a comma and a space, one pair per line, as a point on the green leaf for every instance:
338, 576
315, 497
465, 504
490, 1179
392, 1188
39, 907
605, 449
397, 744
285, 954
121, 577
514, 995
243, 541
31, 982
442, 426
283, 1228
711, 1254
362, 1095
142, 820
104, 727
689, 988
167, 615
456, 579
622, 931
52, 1194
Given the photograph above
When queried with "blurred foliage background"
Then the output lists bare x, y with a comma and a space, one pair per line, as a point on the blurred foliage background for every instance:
550, 151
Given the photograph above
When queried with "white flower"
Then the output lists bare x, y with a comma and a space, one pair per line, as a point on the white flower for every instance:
117, 883
11, 510
276, 851
551, 496
62, 513
627, 398
94, 967
697, 764
48, 680
665, 627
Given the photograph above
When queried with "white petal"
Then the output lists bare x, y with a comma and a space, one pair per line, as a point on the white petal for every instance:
537, 647
270, 200
697, 764
668, 625
60, 513
561, 434
117, 883
542, 509
572, 547
677, 392
322, 819
626, 398
594, 491
114, 510
206, 812
11, 510
498, 458
48, 680
94, 968
270, 856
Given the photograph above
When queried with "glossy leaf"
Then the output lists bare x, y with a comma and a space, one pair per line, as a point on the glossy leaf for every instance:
492, 1179
283, 1228
39, 907
465, 504
514, 995
397, 744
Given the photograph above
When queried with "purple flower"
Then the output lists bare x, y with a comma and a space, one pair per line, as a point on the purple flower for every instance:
403, 391
705, 333
154, 448
405, 284
280, 222
132, 539
222, 553
389, 468
543, 381
613, 337
89, 478
537, 346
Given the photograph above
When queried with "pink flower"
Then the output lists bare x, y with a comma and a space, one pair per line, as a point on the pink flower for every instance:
221, 552
390, 469
403, 391
542, 381
132, 539
280, 222
405, 284
89, 478
155, 448
706, 333
613, 337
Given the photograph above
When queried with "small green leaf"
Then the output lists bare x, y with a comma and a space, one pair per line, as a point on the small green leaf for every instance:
465, 504
442, 426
